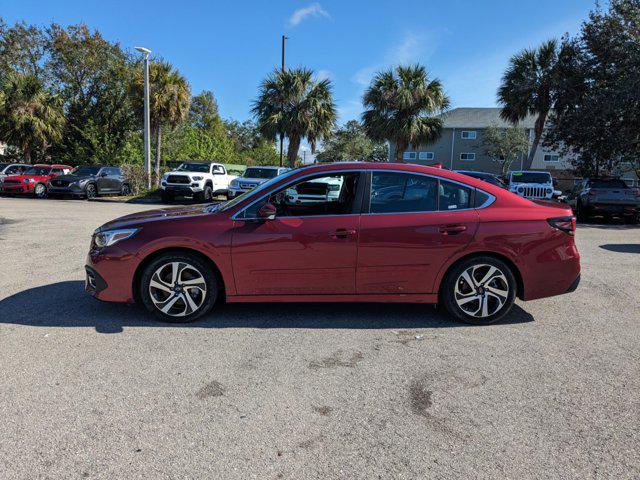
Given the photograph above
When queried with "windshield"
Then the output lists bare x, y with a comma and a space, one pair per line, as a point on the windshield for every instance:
193, 167
610, 183
256, 172
530, 177
37, 171
256, 191
86, 170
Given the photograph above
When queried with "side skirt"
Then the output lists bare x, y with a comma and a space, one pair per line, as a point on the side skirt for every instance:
382, 298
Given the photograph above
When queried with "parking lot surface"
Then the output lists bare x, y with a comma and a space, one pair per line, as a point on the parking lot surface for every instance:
96, 390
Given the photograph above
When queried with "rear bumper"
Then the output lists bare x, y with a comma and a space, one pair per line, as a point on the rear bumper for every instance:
628, 209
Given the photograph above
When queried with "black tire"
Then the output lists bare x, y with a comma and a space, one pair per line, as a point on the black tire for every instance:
166, 197
204, 196
189, 265
91, 191
125, 191
450, 295
40, 190
580, 213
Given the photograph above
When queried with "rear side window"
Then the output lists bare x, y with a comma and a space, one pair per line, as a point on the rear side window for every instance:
453, 196
480, 198
395, 192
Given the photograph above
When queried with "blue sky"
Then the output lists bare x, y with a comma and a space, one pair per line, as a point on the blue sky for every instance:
228, 47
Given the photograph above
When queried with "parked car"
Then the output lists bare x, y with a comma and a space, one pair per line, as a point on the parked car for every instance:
90, 181
252, 177
12, 168
200, 180
33, 181
532, 184
487, 177
465, 243
606, 197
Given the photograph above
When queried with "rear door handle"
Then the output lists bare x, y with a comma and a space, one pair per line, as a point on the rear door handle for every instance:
452, 229
343, 233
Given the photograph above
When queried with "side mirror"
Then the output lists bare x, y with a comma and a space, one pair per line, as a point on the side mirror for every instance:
267, 211
103, 174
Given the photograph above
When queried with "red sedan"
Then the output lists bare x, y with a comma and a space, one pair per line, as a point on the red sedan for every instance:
33, 181
348, 232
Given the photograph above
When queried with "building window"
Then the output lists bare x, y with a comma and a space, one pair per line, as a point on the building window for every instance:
551, 158
426, 156
409, 156
468, 134
468, 157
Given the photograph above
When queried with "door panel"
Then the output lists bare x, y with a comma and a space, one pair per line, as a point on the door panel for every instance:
296, 255
403, 252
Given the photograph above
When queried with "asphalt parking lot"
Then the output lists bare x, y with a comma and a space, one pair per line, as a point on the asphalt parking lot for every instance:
95, 390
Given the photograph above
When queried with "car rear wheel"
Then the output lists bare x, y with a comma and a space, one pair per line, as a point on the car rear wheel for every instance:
178, 288
91, 191
40, 190
480, 290
126, 190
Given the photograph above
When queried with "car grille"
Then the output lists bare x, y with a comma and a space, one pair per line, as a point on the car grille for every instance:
12, 182
248, 186
182, 179
534, 192
59, 183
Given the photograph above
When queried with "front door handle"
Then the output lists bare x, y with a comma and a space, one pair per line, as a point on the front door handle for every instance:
452, 229
343, 233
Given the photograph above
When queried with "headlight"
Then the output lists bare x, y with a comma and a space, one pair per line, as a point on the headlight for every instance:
196, 178
234, 183
549, 191
110, 237
520, 189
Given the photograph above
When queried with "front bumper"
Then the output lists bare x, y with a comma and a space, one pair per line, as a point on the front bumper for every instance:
109, 274
14, 188
75, 190
182, 188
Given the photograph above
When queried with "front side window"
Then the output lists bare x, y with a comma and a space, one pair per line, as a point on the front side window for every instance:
396, 192
217, 170
452, 196
324, 195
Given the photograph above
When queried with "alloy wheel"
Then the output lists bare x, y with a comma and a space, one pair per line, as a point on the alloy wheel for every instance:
40, 191
177, 289
481, 290
91, 191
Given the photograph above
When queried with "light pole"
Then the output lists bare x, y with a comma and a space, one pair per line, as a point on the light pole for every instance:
147, 142
284, 37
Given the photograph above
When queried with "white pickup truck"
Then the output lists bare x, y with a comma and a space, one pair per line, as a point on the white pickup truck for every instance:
201, 180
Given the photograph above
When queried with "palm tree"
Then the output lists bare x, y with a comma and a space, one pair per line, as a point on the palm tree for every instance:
169, 101
527, 88
292, 103
398, 107
31, 118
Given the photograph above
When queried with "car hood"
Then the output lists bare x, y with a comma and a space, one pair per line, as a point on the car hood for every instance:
257, 181
74, 178
162, 214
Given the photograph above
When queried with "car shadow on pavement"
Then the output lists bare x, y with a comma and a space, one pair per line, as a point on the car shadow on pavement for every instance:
65, 304
622, 247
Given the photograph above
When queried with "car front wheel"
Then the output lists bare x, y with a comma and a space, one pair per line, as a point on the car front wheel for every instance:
480, 290
178, 288
40, 190
91, 191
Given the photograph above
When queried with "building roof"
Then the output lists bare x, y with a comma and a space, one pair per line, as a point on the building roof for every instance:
479, 118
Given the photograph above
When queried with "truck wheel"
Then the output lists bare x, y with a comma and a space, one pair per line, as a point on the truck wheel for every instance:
205, 196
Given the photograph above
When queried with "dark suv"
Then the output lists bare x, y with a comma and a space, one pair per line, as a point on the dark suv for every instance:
90, 181
606, 197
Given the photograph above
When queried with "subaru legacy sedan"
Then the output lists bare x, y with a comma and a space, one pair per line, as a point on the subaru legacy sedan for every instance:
375, 232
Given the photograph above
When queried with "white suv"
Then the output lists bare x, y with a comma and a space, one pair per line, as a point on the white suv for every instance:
531, 184
202, 180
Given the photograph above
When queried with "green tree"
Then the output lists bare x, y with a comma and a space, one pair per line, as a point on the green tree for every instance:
349, 143
399, 105
169, 101
31, 118
505, 145
91, 76
528, 87
22, 49
293, 104
597, 108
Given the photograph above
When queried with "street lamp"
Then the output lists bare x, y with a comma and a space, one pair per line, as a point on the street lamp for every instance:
147, 143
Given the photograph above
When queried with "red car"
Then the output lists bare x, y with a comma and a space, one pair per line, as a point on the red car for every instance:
373, 232
33, 181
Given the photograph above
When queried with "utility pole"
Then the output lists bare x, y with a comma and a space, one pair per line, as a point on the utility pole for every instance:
147, 133
284, 37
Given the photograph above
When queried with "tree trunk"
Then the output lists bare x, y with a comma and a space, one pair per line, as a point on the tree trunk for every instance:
158, 147
400, 148
538, 129
292, 151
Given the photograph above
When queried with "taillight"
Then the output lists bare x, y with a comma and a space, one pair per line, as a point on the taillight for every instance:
566, 224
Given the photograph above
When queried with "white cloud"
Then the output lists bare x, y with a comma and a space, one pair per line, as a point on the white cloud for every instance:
324, 75
314, 10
